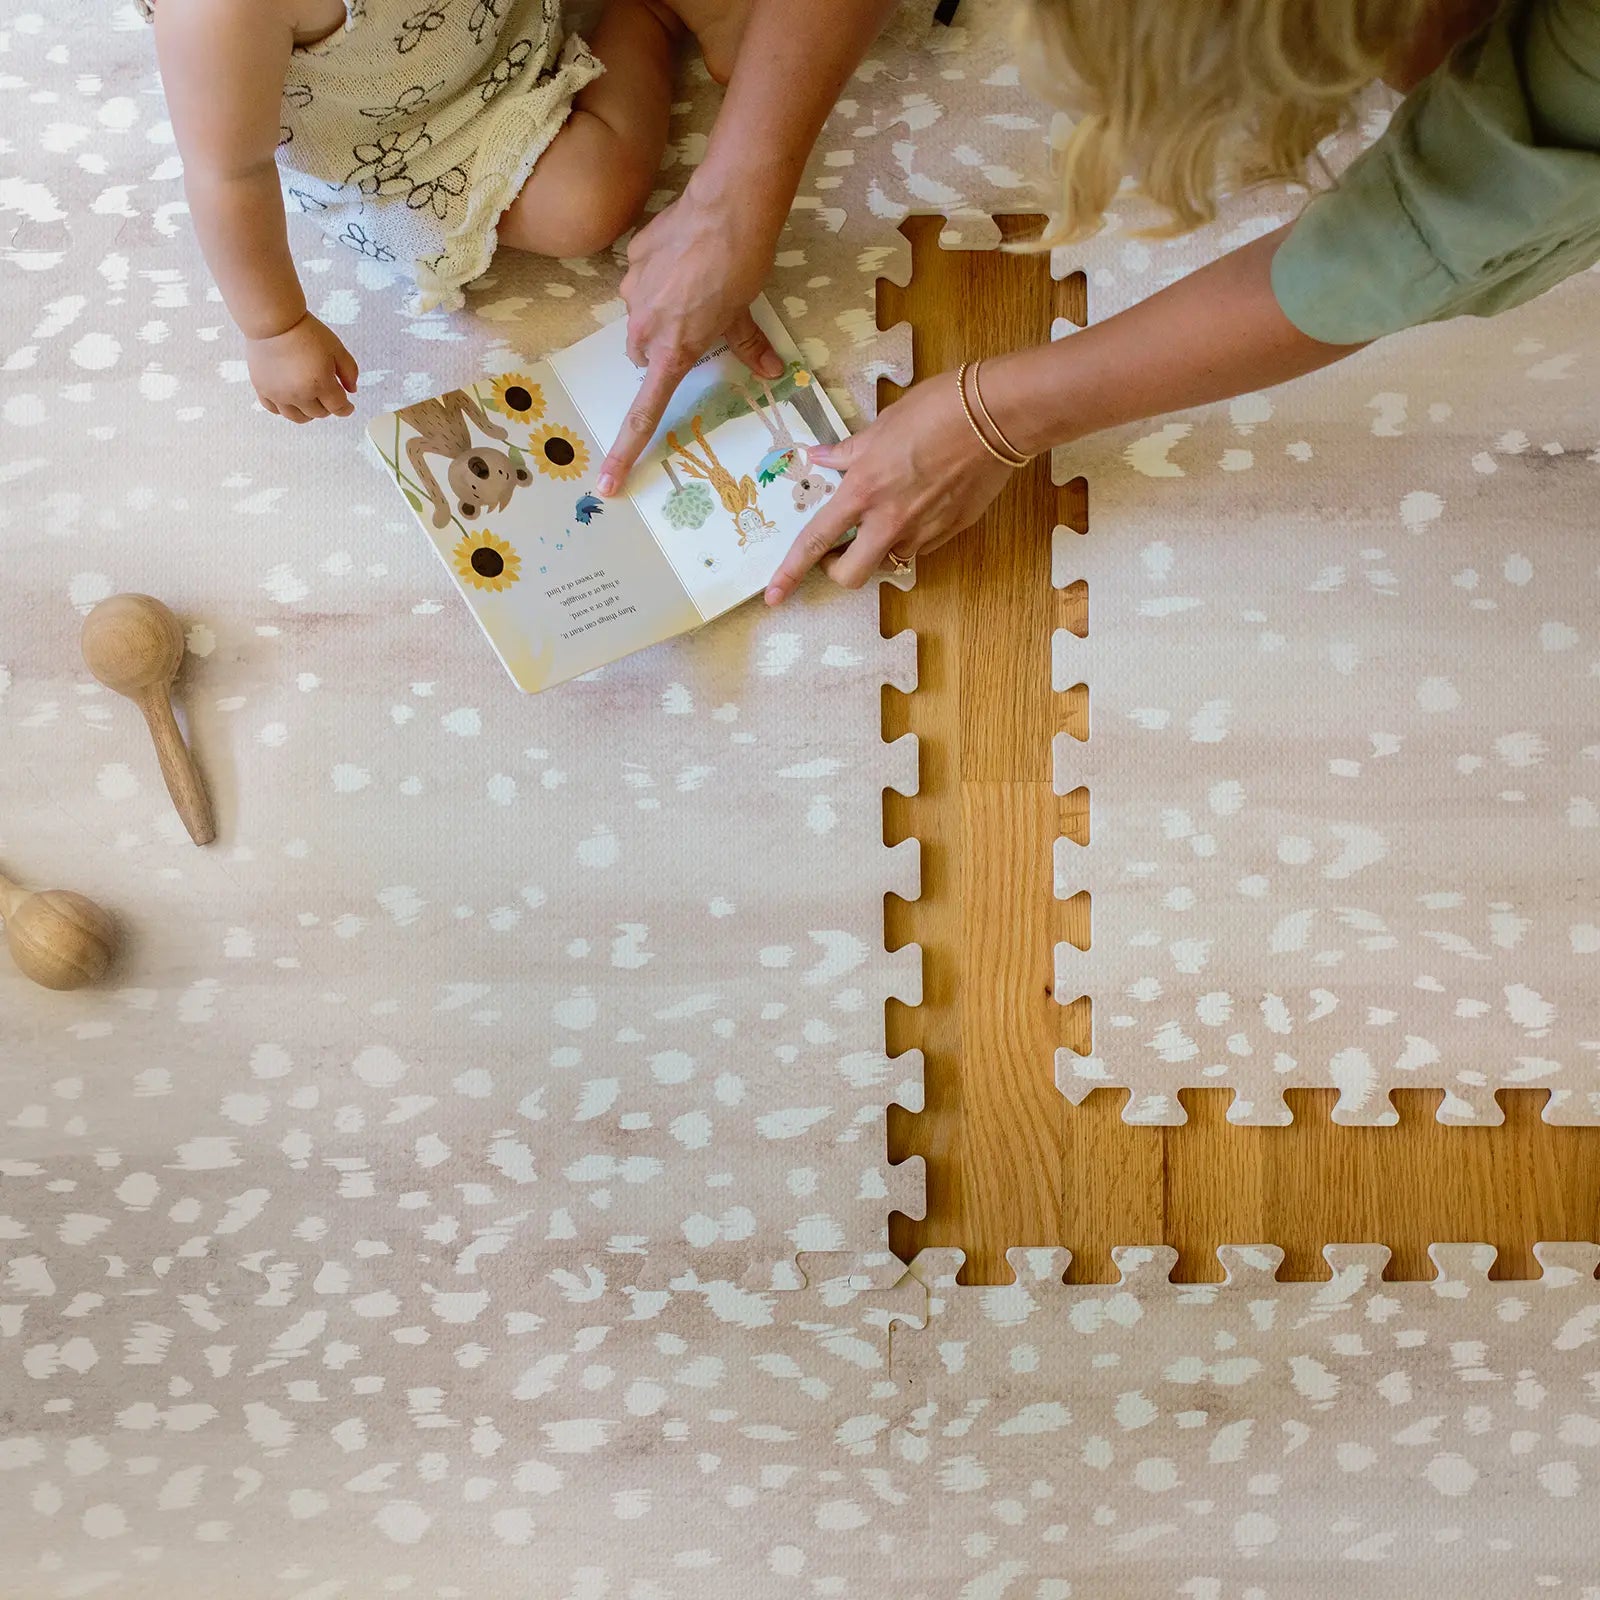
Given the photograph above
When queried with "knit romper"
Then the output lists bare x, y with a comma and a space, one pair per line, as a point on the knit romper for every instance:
408, 131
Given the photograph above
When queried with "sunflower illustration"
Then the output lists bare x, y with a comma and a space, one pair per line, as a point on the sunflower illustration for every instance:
515, 396
558, 452
802, 378
486, 562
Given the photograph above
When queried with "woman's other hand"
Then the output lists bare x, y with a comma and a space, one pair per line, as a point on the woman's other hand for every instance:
913, 480
693, 272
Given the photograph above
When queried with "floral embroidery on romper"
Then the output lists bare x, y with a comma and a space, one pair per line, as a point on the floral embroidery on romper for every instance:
409, 130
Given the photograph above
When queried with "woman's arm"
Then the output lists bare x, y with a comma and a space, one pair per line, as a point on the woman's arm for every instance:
1214, 334
795, 58
223, 67
1481, 193
694, 270
919, 474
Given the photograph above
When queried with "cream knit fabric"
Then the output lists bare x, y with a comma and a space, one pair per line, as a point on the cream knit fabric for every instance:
408, 131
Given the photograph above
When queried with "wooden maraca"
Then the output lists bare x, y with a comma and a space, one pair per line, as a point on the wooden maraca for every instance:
57, 938
133, 644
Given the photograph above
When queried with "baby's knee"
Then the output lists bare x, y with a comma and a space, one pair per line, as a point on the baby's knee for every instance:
568, 235
624, 179
598, 197
600, 223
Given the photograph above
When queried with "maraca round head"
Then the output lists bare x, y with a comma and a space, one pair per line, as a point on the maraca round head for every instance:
132, 643
60, 939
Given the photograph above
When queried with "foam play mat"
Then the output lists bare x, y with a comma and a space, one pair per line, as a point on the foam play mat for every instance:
473, 1180
1331, 611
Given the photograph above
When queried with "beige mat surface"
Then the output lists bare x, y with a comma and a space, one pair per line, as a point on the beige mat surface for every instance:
600, 971
419, 1213
483, 1008
1254, 1438
1344, 760
264, 1428
264, 1431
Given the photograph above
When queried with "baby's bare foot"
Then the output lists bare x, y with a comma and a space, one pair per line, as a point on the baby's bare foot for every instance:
718, 27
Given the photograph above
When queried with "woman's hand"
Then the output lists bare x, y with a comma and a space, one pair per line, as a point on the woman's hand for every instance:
919, 474
913, 480
692, 274
304, 372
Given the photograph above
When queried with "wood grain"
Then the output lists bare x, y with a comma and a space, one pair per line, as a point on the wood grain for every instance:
1010, 1163
134, 645
57, 938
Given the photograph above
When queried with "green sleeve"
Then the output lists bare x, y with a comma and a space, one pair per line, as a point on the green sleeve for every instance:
1483, 192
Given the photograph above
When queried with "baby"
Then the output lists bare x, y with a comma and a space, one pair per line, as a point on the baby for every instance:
419, 132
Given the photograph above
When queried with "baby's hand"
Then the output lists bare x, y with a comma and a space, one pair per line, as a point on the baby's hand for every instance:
304, 372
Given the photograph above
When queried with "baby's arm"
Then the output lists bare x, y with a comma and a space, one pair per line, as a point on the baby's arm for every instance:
223, 64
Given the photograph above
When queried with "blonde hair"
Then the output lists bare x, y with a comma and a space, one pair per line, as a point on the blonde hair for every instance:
1193, 96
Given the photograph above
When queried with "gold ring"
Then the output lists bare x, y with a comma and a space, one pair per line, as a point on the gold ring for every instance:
898, 563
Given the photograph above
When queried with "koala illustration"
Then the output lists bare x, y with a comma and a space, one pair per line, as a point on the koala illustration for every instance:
811, 489
481, 477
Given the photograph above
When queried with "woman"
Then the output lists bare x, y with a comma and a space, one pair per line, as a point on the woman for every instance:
1484, 192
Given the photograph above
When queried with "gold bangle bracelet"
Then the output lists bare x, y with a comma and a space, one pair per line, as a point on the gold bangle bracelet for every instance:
972, 421
994, 427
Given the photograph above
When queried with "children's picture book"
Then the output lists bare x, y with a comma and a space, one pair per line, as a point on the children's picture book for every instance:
501, 478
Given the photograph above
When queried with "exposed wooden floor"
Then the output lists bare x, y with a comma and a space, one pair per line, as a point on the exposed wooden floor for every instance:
1010, 1163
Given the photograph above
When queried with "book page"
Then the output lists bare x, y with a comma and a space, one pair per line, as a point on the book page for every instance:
500, 476
725, 485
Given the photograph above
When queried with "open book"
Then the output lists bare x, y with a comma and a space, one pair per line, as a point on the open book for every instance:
501, 477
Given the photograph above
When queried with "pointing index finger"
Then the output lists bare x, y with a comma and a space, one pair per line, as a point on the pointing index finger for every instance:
816, 539
644, 416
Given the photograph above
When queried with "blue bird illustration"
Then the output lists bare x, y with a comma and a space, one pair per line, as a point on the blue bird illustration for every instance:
588, 508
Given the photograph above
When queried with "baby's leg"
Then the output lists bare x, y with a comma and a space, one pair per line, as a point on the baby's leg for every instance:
718, 27
593, 181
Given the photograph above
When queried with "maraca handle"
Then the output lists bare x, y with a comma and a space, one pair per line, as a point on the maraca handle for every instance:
178, 768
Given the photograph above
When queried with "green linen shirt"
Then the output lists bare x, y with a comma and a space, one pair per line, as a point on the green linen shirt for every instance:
1483, 192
